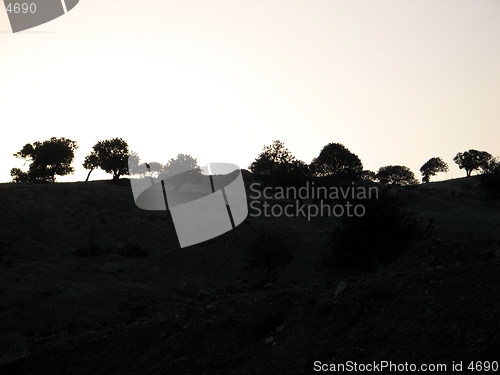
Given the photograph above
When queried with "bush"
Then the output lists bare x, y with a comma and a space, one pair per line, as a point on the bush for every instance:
361, 243
268, 252
132, 251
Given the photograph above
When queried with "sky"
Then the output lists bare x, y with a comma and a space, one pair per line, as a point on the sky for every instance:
397, 82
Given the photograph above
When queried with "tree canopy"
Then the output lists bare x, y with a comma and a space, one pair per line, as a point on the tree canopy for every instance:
47, 159
274, 158
278, 166
368, 175
181, 169
491, 166
335, 159
431, 167
396, 175
110, 155
181, 164
91, 162
472, 160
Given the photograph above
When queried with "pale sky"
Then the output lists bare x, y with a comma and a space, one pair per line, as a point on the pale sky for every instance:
397, 82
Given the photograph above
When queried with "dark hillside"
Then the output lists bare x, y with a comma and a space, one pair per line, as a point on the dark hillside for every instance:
81, 256
89, 284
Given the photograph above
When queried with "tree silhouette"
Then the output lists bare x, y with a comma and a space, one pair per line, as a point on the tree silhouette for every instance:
277, 166
181, 164
431, 167
110, 155
179, 170
91, 162
491, 166
48, 159
396, 175
368, 175
335, 159
274, 158
472, 160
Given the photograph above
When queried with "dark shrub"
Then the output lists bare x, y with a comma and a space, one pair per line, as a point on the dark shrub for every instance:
268, 252
132, 251
361, 243
89, 251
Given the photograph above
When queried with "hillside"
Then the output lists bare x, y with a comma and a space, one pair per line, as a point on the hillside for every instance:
73, 301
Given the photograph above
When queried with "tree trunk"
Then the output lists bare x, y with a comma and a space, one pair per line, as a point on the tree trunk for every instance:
89, 175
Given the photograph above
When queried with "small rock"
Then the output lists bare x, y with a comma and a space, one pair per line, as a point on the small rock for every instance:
269, 340
497, 253
280, 328
340, 288
163, 335
459, 264
211, 308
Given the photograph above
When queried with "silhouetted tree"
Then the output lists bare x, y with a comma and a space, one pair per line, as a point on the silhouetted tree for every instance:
491, 166
181, 163
431, 167
133, 163
179, 170
91, 162
18, 175
48, 159
396, 175
472, 160
368, 175
111, 156
298, 170
335, 159
278, 166
274, 158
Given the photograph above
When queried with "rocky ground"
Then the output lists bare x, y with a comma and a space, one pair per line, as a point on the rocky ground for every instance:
437, 304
